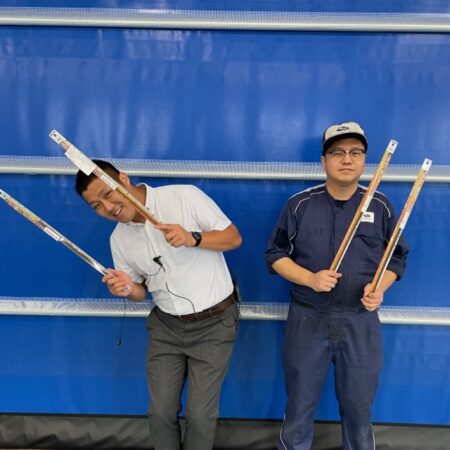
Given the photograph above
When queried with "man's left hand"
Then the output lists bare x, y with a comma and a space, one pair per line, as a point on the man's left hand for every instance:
372, 300
176, 235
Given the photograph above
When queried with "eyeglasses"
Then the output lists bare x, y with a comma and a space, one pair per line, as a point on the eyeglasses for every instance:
340, 153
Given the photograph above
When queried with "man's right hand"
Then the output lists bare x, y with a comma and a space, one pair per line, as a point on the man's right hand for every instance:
324, 280
119, 283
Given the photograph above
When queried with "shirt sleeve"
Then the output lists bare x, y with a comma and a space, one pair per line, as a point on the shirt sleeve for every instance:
280, 241
397, 264
205, 211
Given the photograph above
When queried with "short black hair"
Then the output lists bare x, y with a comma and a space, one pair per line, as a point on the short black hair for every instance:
82, 180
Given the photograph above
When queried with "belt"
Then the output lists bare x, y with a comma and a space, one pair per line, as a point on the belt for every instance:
299, 302
215, 310
318, 307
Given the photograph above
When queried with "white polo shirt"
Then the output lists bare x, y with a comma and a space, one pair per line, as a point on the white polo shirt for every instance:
189, 278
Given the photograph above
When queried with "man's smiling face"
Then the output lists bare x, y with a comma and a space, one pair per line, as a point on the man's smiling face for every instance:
108, 203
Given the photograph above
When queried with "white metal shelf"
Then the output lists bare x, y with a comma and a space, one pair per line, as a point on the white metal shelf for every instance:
226, 20
244, 170
249, 310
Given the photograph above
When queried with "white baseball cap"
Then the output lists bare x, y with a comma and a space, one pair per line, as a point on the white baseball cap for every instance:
343, 131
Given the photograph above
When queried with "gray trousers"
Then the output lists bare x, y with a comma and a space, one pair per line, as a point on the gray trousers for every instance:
196, 351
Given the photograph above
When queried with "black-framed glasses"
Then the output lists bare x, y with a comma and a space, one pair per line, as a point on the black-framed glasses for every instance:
339, 153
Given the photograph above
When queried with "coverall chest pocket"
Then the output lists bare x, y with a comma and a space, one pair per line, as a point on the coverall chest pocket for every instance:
369, 240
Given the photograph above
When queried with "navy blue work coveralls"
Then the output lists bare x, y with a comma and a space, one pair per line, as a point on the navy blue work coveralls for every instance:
332, 327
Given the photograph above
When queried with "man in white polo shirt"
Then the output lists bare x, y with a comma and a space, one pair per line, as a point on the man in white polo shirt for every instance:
194, 323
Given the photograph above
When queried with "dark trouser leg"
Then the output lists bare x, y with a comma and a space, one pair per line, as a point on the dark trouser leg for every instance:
357, 369
209, 344
166, 373
306, 360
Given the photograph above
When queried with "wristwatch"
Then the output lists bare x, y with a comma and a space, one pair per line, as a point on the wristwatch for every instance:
198, 238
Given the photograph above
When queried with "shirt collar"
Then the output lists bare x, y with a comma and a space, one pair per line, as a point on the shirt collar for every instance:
356, 197
149, 203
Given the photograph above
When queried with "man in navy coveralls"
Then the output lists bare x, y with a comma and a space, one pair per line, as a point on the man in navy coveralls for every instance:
333, 317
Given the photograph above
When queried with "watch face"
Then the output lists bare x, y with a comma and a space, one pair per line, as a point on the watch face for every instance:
198, 238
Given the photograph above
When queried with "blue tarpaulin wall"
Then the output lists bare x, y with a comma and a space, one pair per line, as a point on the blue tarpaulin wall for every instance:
222, 96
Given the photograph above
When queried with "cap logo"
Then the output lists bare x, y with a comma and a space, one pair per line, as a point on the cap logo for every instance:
342, 128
